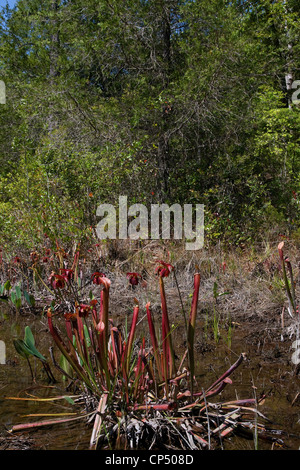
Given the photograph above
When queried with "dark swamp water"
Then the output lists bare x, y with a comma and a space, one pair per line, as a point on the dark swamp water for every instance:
268, 370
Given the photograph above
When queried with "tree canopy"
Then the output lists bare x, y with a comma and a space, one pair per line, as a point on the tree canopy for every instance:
174, 101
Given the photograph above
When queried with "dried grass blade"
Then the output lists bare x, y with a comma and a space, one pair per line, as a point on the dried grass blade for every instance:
21, 427
98, 421
63, 397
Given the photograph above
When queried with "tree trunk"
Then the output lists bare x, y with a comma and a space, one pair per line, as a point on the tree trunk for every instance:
54, 54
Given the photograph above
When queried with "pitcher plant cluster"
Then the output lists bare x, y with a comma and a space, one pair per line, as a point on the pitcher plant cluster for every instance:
103, 358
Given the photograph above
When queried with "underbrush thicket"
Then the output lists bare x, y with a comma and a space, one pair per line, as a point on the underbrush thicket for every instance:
197, 112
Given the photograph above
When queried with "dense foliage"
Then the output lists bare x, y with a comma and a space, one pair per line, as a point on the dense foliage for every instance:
162, 101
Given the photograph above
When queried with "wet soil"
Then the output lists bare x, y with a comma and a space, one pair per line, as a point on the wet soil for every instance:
268, 370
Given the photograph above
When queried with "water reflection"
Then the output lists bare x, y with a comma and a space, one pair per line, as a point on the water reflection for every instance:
274, 377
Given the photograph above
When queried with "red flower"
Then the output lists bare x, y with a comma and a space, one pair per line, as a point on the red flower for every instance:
16, 259
133, 278
97, 278
70, 316
34, 256
66, 274
84, 310
45, 259
164, 269
57, 281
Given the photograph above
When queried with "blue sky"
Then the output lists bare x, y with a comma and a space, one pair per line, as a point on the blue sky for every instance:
10, 2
